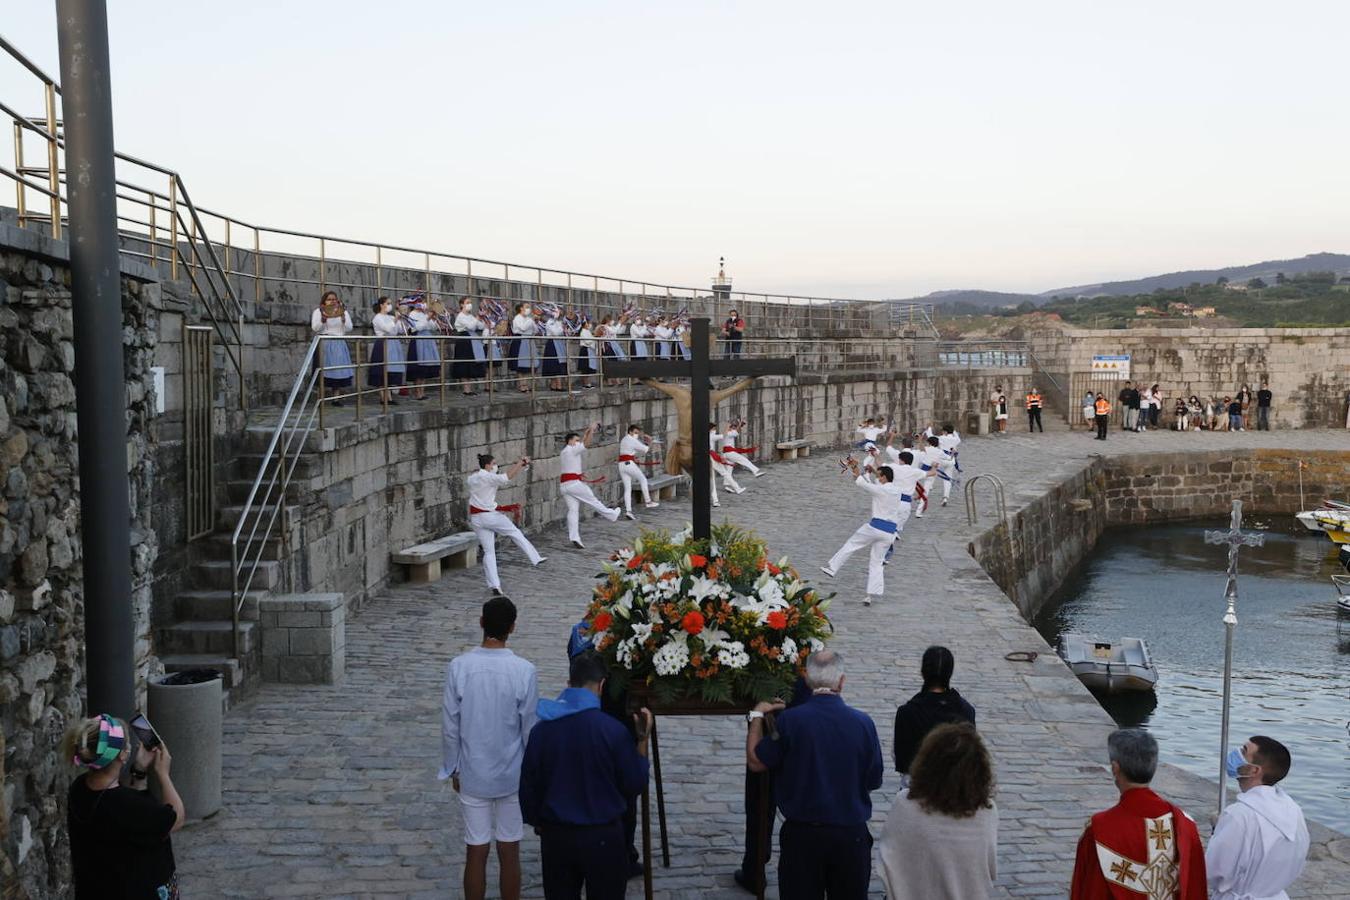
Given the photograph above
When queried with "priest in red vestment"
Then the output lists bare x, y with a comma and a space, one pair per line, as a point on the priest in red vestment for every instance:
1143, 847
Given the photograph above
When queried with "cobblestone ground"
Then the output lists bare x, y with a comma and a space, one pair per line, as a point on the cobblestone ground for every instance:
331, 791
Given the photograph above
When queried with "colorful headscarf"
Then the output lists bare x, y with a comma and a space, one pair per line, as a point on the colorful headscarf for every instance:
112, 740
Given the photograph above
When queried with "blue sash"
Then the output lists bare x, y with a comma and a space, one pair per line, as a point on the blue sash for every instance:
885, 525
907, 498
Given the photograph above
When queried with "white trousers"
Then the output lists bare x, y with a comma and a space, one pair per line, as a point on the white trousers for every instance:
487, 525
930, 482
576, 493
728, 481
630, 472
877, 542
739, 459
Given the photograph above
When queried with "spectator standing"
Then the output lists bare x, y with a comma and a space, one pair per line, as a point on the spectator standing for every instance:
488, 709
936, 703
1001, 415
1155, 406
993, 406
1088, 399
1123, 398
1245, 397
1234, 414
1141, 840
1263, 398
940, 841
1141, 420
733, 329
1034, 410
1260, 843
1102, 413
827, 761
1196, 410
1180, 415
579, 771
119, 836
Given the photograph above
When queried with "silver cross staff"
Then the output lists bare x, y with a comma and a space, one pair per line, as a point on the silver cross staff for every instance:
1235, 538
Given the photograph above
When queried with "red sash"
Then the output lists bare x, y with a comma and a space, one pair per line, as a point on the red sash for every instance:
717, 457
512, 508
627, 457
744, 451
577, 476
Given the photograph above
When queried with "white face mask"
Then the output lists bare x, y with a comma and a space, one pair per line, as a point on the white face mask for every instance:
492, 467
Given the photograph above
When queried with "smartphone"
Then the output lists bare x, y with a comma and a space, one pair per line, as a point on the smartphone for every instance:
145, 732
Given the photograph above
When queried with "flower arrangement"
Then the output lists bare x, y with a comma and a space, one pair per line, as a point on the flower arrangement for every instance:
715, 620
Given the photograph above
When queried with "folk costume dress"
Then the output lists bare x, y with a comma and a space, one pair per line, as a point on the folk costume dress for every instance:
524, 352
555, 349
424, 356
663, 334
387, 359
640, 333
470, 355
588, 361
1143, 848
335, 356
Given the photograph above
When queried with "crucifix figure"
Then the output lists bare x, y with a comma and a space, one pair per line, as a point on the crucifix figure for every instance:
1235, 538
694, 405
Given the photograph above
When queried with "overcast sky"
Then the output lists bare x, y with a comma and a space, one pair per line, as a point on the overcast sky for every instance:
847, 149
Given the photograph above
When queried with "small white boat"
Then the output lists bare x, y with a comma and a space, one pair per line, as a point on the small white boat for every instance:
1125, 665
1342, 583
1332, 518
1345, 556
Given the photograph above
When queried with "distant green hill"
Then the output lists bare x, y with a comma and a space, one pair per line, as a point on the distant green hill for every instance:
1309, 299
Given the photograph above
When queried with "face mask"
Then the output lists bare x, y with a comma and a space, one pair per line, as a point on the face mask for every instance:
492, 468
1234, 762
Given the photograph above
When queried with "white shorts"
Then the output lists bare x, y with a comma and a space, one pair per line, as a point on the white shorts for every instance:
488, 820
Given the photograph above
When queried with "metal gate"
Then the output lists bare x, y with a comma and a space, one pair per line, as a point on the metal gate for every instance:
1082, 382
197, 445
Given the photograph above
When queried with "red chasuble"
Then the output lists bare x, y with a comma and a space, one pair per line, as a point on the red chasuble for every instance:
1141, 847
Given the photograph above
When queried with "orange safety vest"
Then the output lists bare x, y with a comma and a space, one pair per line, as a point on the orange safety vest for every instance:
1103, 407
1033, 400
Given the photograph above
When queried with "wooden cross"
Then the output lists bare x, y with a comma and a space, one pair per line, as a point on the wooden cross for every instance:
700, 371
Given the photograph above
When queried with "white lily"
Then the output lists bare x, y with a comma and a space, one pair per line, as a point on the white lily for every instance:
713, 638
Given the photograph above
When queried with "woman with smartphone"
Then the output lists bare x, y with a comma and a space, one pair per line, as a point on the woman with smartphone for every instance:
119, 834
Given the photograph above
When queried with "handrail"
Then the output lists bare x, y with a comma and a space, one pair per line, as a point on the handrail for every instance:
1000, 502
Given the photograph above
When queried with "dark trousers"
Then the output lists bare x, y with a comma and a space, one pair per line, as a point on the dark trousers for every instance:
594, 857
1034, 419
819, 861
1263, 418
1101, 427
733, 348
756, 785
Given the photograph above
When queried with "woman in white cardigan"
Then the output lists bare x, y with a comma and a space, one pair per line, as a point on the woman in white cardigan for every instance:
941, 837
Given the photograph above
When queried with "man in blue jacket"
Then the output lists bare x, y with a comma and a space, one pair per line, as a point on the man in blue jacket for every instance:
579, 770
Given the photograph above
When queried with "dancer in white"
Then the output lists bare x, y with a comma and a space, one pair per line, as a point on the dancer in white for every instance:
575, 490
906, 476
878, 533
487, 521
735, 455
869, 430
720, 466
631, 451
931, 459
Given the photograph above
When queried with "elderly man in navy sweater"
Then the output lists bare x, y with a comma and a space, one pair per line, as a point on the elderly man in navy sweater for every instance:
826, 760
580, 769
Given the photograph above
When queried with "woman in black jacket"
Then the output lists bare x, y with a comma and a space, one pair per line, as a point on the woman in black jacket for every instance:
935, 704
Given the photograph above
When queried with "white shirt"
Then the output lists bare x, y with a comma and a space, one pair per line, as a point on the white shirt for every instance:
930, 456
319, 325
553, 328
522, 324
422, 323
949, 442
869, 461
713, 440
638, 331
573, 459
483, 487
663, 332
633, 446
906, 477
892, 454
468, 322
885, 498
487, 712
1259, 847
587, 338
869, 432
385, 324
729, 439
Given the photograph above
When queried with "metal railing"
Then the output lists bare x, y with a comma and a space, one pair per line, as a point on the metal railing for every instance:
1000, 498
983, 354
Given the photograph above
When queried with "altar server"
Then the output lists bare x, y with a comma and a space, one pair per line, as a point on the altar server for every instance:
470, 352
878, 533
720, 466
632, 449
735, 455
524, 354
486, 519
332, 319
1260, 843
387, 360
575, 490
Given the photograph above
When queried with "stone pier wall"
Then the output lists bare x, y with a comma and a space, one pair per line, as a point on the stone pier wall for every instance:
372, 487
1030, 555
42, 681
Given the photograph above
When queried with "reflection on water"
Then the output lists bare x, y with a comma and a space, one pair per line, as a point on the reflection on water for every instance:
1291, 652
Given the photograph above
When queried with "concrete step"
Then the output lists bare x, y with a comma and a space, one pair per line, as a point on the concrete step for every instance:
208, 637
215, 605
228, 516
219, 574
217, 545
246, 465
238, 489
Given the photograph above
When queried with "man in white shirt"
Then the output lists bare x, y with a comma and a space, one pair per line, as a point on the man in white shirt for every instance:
736, 455
575, 491
721, 466
487, 712
878, 533
869, 431
487, 521
1260, 843
930, 459
631, 451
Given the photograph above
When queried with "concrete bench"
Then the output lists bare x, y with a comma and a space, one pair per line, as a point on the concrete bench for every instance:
424, 560
792, 449
663, 486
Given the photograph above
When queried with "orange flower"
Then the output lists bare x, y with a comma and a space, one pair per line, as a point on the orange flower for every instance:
692, 622
774, 570
635, 562
601, 623
697, 561
777, 620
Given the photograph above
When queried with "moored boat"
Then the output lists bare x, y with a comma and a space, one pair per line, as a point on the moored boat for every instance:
1123, 665
1332, 518
1342, 583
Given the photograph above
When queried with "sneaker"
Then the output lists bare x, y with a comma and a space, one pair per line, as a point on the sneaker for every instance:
739, 490
760, 474
497, 592
716, 504
944, 501
653, 505
918, 515
579, 545
541, 560
629, 515
827, 570
867, 600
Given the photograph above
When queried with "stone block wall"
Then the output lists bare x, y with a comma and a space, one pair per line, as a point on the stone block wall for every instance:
41, 582
1308, 368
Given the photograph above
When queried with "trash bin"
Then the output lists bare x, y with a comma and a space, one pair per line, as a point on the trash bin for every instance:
185, 708
977, 423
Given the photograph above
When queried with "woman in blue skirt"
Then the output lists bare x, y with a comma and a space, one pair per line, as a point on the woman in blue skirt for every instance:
424, 355
555, 353
470, 352
332, 319
387, 356
524, 354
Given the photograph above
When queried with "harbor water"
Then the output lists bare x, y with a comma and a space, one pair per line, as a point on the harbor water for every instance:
1291, 651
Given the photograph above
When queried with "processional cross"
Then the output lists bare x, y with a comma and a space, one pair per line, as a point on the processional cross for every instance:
699, 370
1235, 538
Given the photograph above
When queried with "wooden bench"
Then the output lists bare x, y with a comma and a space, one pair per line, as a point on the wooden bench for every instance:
792, 449
460, 551
662, 486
